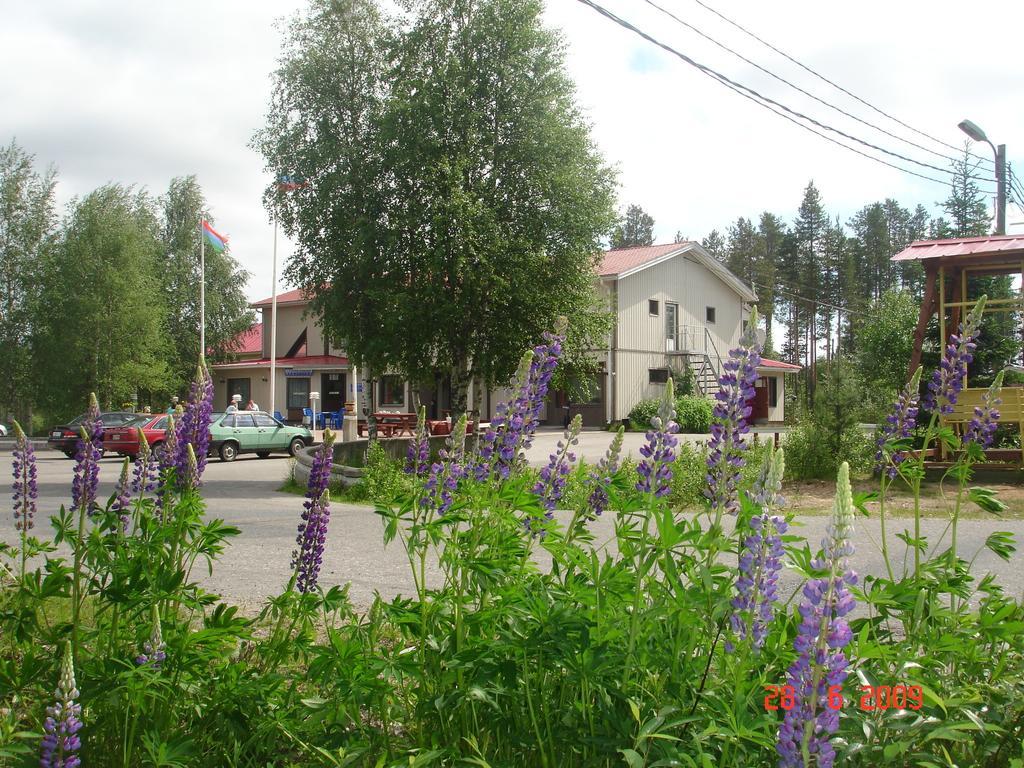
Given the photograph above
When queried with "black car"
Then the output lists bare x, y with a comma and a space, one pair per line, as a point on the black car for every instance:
64, 437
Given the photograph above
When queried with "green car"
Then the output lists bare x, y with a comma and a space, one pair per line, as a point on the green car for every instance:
254, 432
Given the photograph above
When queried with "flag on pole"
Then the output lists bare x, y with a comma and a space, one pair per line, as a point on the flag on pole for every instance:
217, 242
290, 183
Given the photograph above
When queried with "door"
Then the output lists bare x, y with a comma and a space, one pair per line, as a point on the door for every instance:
759, 403
270, 435
332, 391
239, 387
244, 431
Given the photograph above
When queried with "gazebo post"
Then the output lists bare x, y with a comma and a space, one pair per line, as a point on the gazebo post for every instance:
927, 310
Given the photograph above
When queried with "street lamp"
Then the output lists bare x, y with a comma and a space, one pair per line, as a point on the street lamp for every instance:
977, 134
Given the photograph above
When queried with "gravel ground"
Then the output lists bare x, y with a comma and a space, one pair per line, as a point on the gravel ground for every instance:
256, 564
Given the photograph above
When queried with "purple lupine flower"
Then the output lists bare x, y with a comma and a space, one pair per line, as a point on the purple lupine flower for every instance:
515, 421
601, 477
26, 490
732, 409
88, 453
948, 379
194, 429
761, 558
166, 456
445, 475
63, 721
123, 495
417, 457
982, 427
655, 469
146, 470
316, 514
154, 651
899, 425
551, 484
821, 663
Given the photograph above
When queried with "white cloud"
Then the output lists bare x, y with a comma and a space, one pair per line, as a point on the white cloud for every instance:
140, 92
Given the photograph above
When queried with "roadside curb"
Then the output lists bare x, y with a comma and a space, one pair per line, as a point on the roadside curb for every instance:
340, 474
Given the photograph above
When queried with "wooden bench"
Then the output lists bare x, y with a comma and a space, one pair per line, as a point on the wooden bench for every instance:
1011, 411
390, 424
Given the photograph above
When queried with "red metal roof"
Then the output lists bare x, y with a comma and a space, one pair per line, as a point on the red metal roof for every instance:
766, 363
295, 295
989, 245
624, 259
316, 361
249, 342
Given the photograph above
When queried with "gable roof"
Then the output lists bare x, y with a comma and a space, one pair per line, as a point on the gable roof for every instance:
295, 296
987, 245
778, 365
623, 262
248, 342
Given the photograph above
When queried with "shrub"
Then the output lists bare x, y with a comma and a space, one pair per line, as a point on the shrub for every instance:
693, 414
383, 478
641, 414
810, 456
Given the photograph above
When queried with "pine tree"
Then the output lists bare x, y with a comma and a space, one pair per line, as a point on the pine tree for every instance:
714, 244
635, 229
810, 230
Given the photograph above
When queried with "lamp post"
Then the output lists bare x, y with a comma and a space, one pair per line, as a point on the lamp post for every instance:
977, 134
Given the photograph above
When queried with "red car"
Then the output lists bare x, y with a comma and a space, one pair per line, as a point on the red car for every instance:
124, 440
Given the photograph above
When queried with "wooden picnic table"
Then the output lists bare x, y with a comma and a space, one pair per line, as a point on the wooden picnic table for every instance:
390, 424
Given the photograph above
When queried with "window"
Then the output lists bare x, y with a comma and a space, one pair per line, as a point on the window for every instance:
652, 306
745, 324
657, 375
773, 391
709, 314
392, 390
298, 393
262, 420
239, 387
162, 424
671, 327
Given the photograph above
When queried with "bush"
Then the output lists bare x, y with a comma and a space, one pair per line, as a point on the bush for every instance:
383, 477
693, 413
809, 455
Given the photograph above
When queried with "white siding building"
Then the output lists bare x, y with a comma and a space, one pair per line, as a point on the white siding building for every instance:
676, 305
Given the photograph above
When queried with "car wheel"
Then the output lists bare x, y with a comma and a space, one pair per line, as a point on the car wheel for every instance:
295, 446
263, 454
69, 454
228, 452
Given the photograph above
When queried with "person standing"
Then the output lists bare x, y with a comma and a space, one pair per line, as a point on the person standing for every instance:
173, 407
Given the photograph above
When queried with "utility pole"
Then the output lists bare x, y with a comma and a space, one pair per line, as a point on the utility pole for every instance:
1001, 189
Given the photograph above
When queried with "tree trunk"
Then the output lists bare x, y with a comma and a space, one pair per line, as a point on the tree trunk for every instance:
460, 388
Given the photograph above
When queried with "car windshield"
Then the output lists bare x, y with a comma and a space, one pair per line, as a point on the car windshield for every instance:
137, 421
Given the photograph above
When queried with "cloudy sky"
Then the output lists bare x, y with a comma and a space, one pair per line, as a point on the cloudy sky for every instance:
137, 93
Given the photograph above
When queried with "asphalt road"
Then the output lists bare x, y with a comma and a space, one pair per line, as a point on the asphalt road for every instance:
256, 564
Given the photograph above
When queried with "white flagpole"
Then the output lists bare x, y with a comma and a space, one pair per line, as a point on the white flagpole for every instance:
273, 328
202, 288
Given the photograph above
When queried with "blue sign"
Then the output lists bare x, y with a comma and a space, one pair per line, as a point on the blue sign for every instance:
296, 372
359, 387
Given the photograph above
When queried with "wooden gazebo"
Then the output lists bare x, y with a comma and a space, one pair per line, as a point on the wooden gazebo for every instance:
947, 266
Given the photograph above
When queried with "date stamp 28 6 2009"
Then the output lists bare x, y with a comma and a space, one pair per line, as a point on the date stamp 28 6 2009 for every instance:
874, 698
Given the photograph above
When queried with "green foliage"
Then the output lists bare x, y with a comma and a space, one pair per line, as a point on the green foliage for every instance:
383, 478
107, 337
885, 339
693, 414
813, 452
459, 200
26, 219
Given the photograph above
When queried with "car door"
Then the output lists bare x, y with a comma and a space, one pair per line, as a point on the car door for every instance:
271, 435
244, 431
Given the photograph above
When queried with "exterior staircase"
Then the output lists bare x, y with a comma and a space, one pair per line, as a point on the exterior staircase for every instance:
703, 359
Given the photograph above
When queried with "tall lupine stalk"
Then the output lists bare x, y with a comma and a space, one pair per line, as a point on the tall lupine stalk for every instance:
166, 470
655, 469
417, 457
436, 496
821, 663
194, 429
316, 514
761, 558
550, 484
83, 491
146, 469
981, 429
515, 422
123, 495
63, 721
88, 452
25, 488
978, 436
732, 409
940, 398
899, 425
602, 475
154, 650
655, 476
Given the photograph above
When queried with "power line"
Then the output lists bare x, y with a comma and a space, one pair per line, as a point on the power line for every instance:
795, 87
815, 302
769, 103
833, 84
